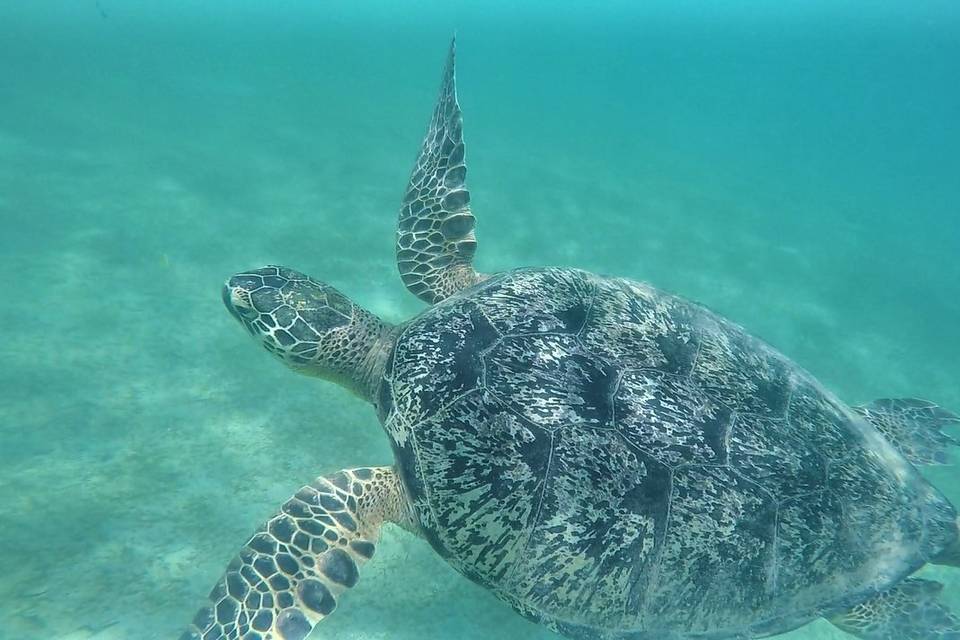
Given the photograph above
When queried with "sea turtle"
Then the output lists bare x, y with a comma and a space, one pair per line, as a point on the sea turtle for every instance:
613, 461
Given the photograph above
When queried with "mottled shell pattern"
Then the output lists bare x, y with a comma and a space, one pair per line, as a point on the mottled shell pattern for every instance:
613, 461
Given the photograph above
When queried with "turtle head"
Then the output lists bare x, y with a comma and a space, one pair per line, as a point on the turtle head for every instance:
310, 326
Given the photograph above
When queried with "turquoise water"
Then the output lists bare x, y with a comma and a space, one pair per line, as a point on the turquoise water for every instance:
794, 168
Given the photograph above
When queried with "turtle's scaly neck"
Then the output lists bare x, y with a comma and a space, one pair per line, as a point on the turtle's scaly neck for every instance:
369, 372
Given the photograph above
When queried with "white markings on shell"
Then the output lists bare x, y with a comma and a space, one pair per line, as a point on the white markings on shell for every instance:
590, 449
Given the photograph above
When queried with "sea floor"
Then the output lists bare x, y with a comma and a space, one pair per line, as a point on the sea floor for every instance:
143, 436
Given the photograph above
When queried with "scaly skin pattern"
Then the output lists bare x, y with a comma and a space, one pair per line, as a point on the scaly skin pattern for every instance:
616, 462
293, 571
308, 325
435, 237
908, 611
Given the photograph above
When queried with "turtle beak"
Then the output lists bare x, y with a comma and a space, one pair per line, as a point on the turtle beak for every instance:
227, 295
237, 301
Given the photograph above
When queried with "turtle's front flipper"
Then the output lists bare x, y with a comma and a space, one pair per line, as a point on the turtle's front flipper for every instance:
435, 240
292, 572
908, 611
913, 427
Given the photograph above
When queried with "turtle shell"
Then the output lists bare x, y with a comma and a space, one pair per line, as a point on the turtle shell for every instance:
613, 460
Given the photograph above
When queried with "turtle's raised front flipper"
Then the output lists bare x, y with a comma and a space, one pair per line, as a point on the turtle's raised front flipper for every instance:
435, 239
291, 573
913, 427
908, 611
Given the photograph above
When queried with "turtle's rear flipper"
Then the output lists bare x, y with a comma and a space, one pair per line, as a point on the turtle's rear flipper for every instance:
908, 611
913, 427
